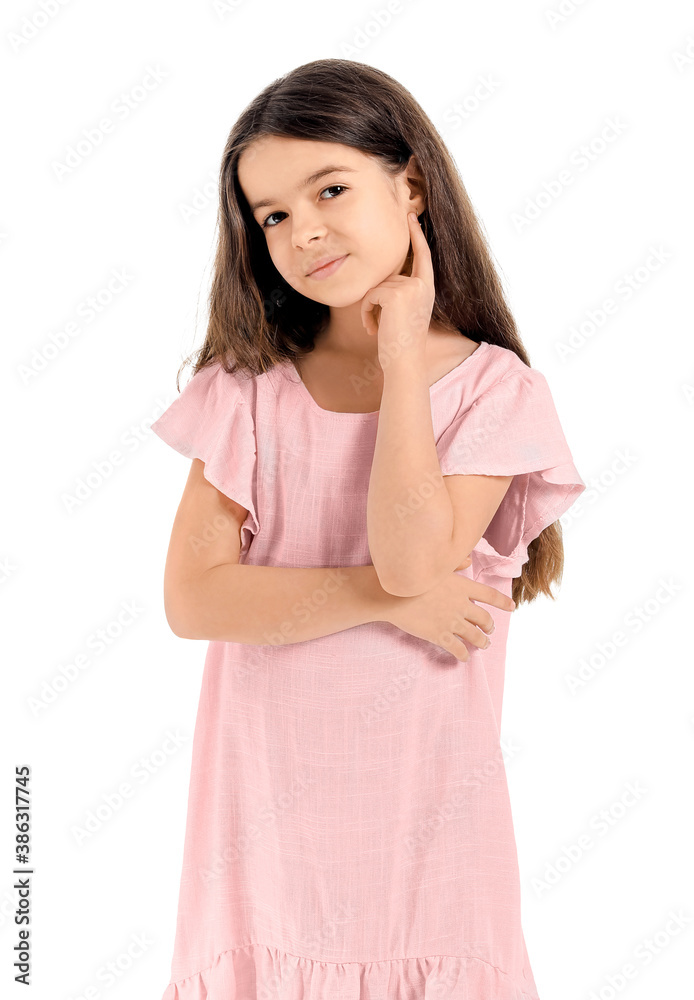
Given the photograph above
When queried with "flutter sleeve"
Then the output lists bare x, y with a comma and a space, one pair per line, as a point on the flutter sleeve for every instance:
211, 420
513, 429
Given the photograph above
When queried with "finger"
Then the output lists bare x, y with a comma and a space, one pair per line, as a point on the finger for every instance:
459, 632
480, 620
369, 322
477, 617
371, 306
459, 649
471, 625
368, 317
475, 637
490, 595
454, 645
422, 266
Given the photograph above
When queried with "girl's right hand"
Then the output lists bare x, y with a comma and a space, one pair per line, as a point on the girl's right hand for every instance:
445, 615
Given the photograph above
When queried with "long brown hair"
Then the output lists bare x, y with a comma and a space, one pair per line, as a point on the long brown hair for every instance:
256, 319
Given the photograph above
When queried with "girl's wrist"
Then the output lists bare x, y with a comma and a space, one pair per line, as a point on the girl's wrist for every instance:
378, 603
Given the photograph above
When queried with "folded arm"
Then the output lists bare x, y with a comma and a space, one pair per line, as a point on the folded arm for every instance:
421, 524
209, 595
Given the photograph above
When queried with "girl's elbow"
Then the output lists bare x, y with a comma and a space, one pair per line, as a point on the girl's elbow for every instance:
178, 625
178, 611
402, 584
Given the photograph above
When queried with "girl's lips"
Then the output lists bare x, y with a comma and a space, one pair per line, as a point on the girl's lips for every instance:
325, 272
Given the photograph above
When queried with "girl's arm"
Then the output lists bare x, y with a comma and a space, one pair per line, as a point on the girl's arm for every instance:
273, 605
418, 527
209, 595
420, 524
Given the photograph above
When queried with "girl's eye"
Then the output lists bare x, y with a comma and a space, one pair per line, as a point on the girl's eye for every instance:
271, 225
265, 224
333, 187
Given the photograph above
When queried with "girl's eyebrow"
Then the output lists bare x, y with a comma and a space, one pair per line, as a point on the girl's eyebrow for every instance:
330, 169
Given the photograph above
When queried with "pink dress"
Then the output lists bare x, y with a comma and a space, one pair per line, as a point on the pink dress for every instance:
349, 831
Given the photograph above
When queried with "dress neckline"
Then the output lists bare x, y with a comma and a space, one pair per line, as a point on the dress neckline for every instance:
370, 414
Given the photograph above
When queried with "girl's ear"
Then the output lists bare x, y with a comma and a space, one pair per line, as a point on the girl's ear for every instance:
415, 187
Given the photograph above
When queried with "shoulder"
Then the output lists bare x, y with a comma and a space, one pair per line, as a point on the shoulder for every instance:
496, 393
507, 385
215, 387
505, 419
213, 378
212, 404
496, 374
501, 363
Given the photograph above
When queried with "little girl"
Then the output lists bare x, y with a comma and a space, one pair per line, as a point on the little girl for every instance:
376, 480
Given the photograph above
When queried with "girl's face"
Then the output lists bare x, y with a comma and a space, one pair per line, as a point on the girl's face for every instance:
320, 200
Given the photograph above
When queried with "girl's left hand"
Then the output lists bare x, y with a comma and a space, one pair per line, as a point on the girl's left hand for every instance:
405, 303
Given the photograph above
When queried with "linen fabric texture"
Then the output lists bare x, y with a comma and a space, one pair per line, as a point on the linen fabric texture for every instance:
349, 832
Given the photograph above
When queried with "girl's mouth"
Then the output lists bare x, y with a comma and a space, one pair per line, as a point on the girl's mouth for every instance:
327, 269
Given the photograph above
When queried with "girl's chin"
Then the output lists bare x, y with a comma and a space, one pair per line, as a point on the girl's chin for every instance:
338, 298
333, 293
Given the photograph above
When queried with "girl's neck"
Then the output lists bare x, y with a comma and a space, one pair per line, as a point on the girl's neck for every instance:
342, 338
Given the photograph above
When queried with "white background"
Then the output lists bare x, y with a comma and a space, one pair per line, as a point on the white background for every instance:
624, 393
